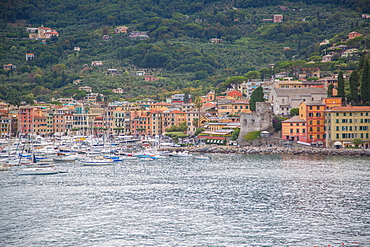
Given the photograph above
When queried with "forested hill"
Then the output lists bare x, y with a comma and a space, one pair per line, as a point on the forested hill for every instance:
63, 13
177, 49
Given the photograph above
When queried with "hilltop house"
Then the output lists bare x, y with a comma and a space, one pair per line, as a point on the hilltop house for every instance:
30, 56
309, 72
86, 89
42, 33
122, 29
96, 63
278, 18
353, 35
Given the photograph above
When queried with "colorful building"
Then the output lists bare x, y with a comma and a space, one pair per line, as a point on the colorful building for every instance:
309, 125
346, 123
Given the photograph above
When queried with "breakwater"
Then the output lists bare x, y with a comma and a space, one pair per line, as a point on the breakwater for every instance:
273, 150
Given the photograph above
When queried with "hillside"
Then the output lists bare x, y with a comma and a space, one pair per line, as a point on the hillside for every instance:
178, 49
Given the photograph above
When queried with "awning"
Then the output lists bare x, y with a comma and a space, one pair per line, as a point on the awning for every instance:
337, 143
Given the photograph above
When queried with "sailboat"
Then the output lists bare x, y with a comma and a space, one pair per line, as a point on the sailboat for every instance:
38, 169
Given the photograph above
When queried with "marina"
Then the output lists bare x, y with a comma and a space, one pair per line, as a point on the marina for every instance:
230, 200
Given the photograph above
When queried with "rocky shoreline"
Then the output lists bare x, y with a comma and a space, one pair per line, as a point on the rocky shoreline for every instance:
273, 150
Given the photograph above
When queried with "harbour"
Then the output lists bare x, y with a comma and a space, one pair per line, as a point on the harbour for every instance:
229, 200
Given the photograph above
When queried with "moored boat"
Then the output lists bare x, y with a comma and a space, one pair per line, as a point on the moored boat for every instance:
49, 170
98, 161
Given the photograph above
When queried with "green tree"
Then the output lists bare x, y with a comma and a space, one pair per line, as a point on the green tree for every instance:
354, 83
365, 84
80, 95
198, 131
253, 75
257, 96
330, 90
341, 92
181, 128
357, 142
235, 134
294, 112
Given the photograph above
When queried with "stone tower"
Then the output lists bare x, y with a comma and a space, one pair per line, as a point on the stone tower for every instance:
259, 120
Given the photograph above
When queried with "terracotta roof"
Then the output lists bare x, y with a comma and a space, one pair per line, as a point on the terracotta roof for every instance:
177, 111
349, 109
294, 119
209, 104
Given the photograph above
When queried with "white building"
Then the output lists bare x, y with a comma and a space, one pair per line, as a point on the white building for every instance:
284, 99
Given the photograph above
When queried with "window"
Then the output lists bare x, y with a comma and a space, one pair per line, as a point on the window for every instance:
344, 120
303, 131
310, 122
317, 107
297, 131
291, 130
336, 120
318, 122
318, 114
310, 114
337, 136
291, 124
318, 128
344, 128
310, 107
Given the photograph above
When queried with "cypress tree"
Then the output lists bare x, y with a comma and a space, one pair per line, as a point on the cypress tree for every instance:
330, 90
341, 92
354, 83
365, 84
256, 96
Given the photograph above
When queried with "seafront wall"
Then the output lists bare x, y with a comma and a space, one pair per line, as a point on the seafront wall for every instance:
273, 150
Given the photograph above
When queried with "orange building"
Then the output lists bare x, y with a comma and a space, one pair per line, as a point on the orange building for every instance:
294, 129
309, 126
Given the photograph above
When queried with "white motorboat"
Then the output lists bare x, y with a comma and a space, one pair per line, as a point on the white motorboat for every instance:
98, 161
48, 170
180, 154
64, 158
202, 158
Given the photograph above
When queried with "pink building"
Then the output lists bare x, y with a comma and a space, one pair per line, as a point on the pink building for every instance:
278, 18
353, 35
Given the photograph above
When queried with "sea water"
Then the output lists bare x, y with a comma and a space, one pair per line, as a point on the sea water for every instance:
230, 200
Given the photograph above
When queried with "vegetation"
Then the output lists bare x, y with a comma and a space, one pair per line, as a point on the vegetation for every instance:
357, 142
252, 135
235, 134
257, 96
294, 112
178, 50
181, 128
341, 92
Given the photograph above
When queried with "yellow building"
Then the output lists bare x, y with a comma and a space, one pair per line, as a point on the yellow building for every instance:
232, 107
346, 123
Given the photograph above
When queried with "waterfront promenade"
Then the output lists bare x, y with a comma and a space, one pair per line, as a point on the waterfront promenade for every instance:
274, 150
